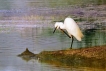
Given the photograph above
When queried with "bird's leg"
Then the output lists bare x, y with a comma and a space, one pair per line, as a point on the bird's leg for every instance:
69, 37
72, 42
65, 33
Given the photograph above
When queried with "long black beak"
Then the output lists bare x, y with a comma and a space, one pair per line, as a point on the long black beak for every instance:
55, 29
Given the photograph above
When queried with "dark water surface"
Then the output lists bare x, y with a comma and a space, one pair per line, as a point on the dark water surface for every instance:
29, 24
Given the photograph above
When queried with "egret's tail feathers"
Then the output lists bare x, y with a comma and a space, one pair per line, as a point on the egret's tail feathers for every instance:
79, 39
79, 36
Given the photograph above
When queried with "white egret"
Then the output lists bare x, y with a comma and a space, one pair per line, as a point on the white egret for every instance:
71, 27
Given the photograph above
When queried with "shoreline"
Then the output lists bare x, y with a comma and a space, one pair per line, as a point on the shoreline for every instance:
86, 57
97, 52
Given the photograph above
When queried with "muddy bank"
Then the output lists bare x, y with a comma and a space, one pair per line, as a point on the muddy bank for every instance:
97, 52
87, 57
27, 55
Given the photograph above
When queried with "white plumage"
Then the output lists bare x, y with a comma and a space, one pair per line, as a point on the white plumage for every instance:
71, 27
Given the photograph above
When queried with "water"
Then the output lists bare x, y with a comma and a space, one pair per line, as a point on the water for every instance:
29, 24
15, 40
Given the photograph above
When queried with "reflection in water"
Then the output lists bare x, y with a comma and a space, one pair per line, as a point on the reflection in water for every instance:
44, 39
27, 55
95, 38
90, 34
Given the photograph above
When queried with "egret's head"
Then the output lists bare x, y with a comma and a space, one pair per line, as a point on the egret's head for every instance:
58, 25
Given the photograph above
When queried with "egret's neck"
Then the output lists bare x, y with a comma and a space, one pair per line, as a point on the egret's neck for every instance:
62, 26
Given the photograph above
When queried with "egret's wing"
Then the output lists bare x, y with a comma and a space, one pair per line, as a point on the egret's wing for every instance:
76, 32
72, 28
